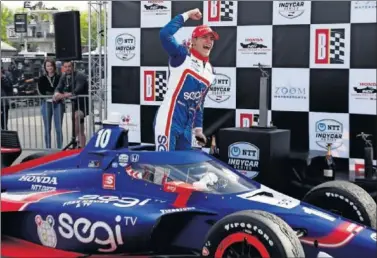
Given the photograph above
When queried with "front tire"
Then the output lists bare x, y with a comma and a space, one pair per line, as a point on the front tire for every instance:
252, 234
346, 199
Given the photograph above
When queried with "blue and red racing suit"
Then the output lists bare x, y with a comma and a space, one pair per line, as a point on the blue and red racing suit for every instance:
190, 78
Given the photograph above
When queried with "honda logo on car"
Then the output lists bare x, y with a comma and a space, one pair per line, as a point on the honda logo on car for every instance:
39, 179
243, 156
329, 131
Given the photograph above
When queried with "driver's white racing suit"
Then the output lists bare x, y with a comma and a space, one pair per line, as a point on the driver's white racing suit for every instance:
190, 78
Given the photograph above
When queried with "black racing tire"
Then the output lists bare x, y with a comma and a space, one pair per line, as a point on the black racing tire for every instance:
262, 233
346, 199
34, 156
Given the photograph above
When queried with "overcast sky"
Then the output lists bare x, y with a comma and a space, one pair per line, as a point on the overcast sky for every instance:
81, 5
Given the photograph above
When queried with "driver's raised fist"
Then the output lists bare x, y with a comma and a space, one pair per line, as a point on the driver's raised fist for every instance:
195, 14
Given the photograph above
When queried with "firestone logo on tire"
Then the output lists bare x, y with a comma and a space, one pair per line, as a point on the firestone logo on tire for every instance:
125, 45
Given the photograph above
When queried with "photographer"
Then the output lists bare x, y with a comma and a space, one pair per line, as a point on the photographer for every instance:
74, 84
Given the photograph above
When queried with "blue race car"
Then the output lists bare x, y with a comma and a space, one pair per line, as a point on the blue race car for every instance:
110, 198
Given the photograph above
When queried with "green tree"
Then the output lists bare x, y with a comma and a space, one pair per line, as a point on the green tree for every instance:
6, 19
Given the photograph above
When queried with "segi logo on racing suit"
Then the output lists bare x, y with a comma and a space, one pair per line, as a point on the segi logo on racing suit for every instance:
291, 9
162, 141
244, 157
220, 89
125, 45
329, 131
194, 95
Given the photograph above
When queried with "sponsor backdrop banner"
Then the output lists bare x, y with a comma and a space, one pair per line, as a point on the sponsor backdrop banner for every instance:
321, 54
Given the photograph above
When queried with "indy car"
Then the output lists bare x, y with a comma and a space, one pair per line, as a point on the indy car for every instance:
110, 198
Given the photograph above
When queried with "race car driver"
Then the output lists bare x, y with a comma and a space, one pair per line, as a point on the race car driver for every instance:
191, 75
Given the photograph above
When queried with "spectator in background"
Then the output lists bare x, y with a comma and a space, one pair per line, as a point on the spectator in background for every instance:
6, 91
47, 84
73, 83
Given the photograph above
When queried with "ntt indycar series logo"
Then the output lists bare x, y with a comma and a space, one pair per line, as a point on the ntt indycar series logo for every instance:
244, 157
329, 131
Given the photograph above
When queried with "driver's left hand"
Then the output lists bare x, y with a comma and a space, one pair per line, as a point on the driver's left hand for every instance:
199, 134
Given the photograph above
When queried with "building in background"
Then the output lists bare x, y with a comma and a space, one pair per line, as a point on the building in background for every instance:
40, 36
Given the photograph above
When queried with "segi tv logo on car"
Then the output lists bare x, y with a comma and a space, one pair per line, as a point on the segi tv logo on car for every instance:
244, 157
220, 89
291, 9
290, 93
329, 131
125, 45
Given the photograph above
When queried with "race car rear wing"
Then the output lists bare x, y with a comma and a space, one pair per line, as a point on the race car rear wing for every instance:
10, 147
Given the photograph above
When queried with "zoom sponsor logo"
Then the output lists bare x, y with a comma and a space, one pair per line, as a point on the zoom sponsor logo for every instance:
162, 141
329, 131
244, 157
192, 95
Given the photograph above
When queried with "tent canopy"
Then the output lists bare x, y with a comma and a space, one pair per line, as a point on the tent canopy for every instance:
7, 47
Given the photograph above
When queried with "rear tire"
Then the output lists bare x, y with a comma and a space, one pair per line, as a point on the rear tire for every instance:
252, 233
346, 199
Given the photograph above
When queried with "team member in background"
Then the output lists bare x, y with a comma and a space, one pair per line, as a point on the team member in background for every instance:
191, 75
47, 84
72, 86
6, 91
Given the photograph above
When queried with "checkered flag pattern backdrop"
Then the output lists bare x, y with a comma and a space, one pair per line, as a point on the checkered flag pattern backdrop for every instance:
227, 10
161, 85
337, 50
321, 57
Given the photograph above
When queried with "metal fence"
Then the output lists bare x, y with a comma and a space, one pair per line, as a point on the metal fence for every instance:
44, 124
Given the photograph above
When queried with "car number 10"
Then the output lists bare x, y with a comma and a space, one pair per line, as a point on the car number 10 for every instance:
103, 138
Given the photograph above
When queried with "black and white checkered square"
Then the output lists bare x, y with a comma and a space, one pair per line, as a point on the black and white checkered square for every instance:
226, 10
337, 47
161, 85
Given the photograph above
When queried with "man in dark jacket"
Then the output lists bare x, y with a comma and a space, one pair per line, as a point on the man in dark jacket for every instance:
6, 91
72, 84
